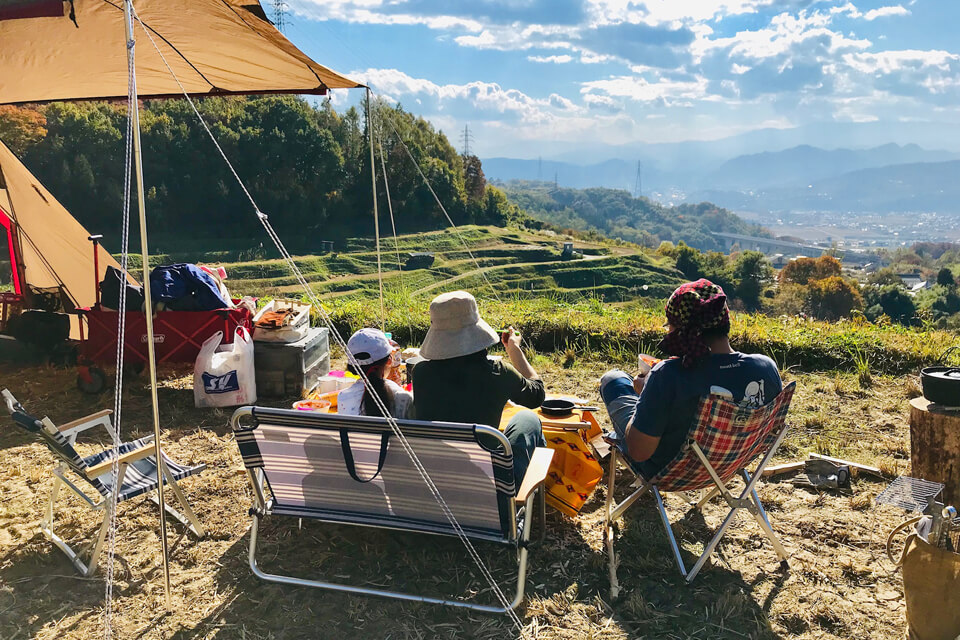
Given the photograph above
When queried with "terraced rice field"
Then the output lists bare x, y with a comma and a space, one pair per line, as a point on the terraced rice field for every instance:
519, 263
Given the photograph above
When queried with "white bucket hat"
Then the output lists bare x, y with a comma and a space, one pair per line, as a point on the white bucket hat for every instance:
368, 346
456, 328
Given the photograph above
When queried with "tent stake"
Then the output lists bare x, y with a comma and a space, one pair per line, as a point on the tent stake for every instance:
148, 302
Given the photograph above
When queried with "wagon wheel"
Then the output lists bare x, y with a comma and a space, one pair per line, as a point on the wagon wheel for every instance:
91, 380
133, 370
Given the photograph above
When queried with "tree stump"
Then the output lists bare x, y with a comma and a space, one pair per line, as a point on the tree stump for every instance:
935, 446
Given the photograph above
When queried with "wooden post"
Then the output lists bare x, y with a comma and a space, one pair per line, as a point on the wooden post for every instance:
935, 446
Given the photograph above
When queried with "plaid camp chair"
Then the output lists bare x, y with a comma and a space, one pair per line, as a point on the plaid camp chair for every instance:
136, 474
352, 470
724, 440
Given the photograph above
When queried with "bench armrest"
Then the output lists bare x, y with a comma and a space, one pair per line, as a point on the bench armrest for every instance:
130, 456
536, 473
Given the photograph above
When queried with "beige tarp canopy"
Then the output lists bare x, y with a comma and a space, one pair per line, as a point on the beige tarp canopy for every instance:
54, 249
215, 47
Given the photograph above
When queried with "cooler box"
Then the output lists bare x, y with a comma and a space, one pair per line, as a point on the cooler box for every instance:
292, 369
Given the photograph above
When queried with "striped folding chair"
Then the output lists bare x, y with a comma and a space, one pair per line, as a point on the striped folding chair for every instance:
136, 474
724, 440
352, 470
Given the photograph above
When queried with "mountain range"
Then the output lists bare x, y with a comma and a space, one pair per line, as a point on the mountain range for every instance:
885, 178
915, 187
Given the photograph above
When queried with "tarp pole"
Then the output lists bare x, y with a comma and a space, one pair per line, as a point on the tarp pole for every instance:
148, 302
376, 216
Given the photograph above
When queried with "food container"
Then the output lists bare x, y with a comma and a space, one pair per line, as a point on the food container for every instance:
294, 331
322, 406
330, 397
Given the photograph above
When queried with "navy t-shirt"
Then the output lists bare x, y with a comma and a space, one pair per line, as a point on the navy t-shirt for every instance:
668, 402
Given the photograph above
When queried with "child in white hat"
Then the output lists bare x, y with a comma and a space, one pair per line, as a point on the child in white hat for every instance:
372, 351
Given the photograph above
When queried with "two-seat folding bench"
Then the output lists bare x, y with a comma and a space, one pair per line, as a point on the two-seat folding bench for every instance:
354, 470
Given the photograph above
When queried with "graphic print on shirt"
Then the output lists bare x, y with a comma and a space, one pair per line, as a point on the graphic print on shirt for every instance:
753, 394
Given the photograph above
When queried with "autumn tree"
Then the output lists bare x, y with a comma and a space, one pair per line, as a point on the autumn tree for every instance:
833, 298
21, 127
805, 270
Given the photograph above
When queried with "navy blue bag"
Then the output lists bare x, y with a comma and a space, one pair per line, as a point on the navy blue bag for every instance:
185, 287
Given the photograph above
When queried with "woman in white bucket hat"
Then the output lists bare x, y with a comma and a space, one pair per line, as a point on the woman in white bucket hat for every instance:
458, 383
371, 350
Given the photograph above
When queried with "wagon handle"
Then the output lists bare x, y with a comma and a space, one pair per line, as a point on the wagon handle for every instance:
945, 353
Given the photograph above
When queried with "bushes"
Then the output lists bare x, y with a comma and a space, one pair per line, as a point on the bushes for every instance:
805, 270
833, 298
892, 301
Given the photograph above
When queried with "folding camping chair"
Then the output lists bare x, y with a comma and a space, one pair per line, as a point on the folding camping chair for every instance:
136, 474
722, 442
351, 470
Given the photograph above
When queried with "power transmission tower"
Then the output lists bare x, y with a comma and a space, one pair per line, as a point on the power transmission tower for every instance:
539, 168
638, 186
556, 175
280, 14
466, 138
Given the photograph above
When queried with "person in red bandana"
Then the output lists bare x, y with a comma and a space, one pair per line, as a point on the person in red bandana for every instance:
653, 412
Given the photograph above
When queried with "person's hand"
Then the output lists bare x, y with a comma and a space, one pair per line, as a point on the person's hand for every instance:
638, 382
510, 338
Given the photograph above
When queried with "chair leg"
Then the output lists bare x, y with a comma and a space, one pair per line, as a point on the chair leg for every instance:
706, 496
98, 546
542, 501
54, 492
363, 591
618, 510
608, 525
188, 517
711, 546
764, 521
674, 547
88, 568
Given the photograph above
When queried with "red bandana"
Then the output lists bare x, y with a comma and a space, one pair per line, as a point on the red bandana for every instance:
693, 307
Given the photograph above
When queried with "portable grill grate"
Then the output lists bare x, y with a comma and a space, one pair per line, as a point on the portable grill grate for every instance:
912, 494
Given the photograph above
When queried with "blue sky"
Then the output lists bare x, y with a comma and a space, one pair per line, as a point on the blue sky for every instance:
535, 75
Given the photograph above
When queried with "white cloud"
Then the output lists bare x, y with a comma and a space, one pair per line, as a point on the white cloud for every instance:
891, 61
673, 61
883, 12
642, 90
489, 97
671, 11
784, 33
554, 59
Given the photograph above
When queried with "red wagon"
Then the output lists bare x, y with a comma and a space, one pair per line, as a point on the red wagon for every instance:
177, 337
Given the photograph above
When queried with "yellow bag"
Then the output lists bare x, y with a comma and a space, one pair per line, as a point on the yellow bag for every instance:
574, 471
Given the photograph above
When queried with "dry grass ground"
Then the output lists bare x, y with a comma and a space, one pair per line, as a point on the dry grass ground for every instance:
840, 585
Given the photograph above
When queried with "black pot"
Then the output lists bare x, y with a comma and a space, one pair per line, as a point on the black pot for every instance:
941, 384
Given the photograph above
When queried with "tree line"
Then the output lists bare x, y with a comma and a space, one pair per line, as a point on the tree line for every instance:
616, 214
306, 166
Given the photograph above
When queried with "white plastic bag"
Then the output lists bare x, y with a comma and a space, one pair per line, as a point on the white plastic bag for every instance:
223, 375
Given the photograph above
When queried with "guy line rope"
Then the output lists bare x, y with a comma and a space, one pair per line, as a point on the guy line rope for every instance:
391, 420
111, 512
